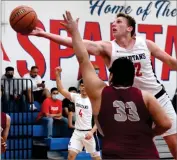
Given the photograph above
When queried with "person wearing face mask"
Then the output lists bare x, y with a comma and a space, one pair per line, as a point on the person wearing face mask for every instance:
51, 111
7, 81
11, 90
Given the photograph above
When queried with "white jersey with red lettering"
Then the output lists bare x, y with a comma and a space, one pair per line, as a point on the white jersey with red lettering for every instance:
83, 111
83, 124
145, 78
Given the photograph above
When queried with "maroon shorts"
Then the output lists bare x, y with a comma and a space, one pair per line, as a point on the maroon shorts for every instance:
3, 120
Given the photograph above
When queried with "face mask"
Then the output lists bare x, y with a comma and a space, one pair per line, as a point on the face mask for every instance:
33, 76
9, 75
55, 96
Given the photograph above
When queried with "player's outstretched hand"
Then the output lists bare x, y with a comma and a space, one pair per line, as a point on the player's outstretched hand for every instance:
58, 70
70, 24
89, 135
37, 32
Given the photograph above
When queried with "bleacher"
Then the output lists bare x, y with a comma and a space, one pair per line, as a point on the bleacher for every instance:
27, 138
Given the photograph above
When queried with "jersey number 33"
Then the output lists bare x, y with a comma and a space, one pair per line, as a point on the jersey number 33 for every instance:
125, 111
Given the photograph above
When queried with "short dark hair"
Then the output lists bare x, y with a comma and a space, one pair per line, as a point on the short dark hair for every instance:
81, 82
9, 69
53, 89
131, 21
72, 89
123, 72
34, 67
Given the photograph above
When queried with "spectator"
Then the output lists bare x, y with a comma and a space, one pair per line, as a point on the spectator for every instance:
11, 91
5, 126
51, 111
38, 87
174, 100
67, 105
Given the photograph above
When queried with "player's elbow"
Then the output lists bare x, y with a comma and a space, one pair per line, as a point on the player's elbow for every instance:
167, 124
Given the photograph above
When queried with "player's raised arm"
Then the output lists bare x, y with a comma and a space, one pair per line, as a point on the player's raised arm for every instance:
162, 55
60, 87
93, 47
93, 84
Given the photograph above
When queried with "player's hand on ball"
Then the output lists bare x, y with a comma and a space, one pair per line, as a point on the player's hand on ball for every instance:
70, 24
89, 135
37, 32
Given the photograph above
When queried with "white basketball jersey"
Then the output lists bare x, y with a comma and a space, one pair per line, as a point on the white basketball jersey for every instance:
145, 78
83, 112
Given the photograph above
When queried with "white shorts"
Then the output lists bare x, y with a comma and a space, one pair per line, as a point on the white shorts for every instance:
165, 102
78, 142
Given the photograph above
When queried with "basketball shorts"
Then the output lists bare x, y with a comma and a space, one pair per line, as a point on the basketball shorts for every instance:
166, 103
78, 142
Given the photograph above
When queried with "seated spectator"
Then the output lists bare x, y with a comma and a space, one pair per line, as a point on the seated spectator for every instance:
11, 92
38, 87
67, 105
51, 111
5, 126
174, 100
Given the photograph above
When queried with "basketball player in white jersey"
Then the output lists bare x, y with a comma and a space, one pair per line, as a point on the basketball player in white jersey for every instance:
83, 133
139, 50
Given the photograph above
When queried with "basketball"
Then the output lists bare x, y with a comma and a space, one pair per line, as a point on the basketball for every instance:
23, 19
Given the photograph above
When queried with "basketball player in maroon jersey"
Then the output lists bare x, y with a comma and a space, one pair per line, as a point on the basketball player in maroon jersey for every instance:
128, 129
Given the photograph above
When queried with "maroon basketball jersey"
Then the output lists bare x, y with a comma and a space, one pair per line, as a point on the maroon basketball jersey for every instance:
126, 124
3, 120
